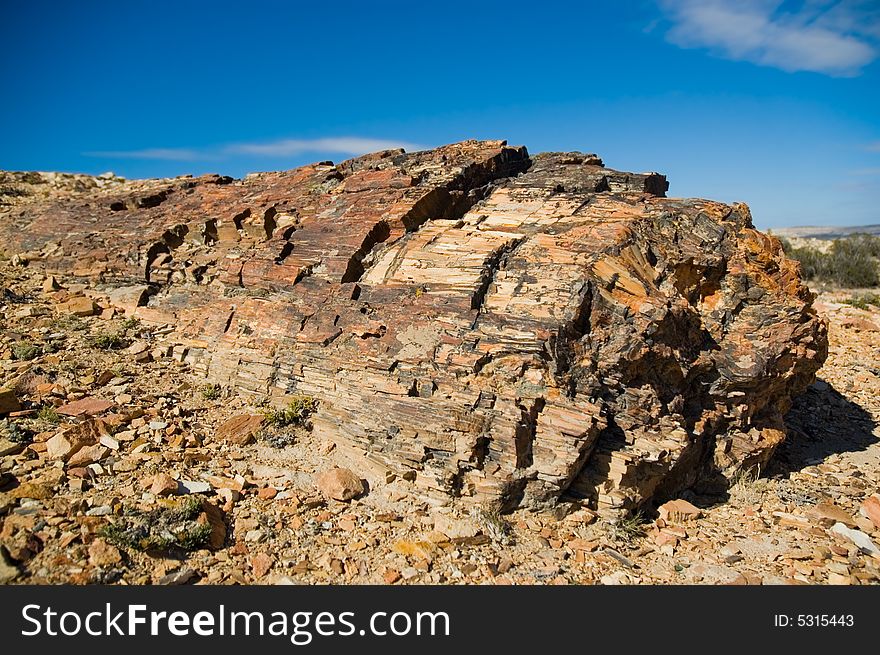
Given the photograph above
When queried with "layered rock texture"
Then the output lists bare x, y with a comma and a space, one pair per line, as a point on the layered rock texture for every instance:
495, 327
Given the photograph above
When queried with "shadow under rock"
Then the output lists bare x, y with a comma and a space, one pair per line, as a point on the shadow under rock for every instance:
822, 422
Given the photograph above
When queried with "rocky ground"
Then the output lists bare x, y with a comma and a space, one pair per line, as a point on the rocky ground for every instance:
120, 467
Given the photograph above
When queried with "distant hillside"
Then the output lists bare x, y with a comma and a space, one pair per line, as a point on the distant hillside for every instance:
824, 232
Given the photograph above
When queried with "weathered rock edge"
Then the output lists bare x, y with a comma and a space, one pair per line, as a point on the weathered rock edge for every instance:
497, 328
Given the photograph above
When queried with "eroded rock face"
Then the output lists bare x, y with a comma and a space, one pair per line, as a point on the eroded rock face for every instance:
498, 328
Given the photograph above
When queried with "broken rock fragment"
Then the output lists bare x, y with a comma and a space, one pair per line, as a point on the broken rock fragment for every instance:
340, 484
240, 429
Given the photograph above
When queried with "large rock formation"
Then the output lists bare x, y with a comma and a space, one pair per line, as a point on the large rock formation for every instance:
496, 327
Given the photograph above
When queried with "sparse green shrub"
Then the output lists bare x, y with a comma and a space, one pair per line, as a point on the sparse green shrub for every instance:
70, 323
863, 301
627, 530
14, 432
278, 439
494, 525
296, 413
108, 341
211, 391
162, 529
25, 351
850, 262
48, 414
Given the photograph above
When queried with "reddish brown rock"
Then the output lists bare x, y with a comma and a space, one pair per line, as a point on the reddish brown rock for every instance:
8, 402
85, 407
88, 455
339, 484
163, 484
678, 511
102, 554
240, 429
871, 509
79, 306
213, 516
261, 563
71, 440
491, 326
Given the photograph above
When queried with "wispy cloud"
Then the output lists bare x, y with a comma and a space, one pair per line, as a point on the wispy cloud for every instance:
833, 37
874, 146
348, 145
351, 145
168, 154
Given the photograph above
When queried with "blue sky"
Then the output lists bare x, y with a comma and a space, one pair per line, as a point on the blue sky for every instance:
773, 103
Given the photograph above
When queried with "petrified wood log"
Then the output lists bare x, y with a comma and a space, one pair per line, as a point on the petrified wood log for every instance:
495, 327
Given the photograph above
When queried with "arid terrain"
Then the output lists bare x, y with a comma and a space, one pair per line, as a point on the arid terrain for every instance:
123, 463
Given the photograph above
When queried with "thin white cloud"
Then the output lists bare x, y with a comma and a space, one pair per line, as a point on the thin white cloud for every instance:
833, 37
169, 154
874, 146
350, 145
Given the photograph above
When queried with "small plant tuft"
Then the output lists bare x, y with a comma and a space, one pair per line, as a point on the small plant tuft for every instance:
48, 414
26, 351
296, 413
627, 530
171, 527
130, 324
850, 262
863, 301
15, 433
494, 525
211, 391
278, 439
108, 341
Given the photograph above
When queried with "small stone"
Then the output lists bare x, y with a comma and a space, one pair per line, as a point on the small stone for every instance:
584, 545
88, 455
214, 517
831, 514
193, 487
109, 442
871, 509
8, 447
50, 284
8, 401
267, 493
858, 537
85, 407
80, 306
261, 563
58, 447
31, 490
339, 484
240, 429
102, 554
163, 485
138, 347
678, 511
8, 570
177, 577
391, 576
